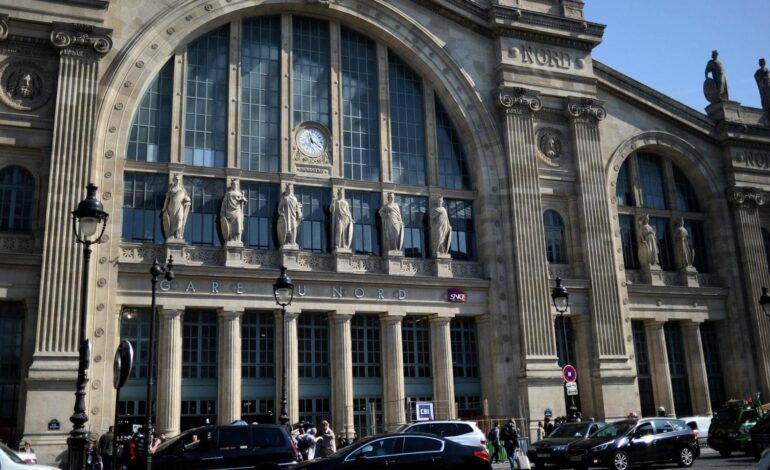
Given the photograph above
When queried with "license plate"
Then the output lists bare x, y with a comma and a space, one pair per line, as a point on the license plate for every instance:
576, 458
543, 455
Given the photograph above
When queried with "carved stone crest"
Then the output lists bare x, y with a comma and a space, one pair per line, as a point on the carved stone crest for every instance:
550, 146
23, 86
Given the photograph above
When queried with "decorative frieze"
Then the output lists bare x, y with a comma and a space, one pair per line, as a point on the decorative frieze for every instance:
10, 243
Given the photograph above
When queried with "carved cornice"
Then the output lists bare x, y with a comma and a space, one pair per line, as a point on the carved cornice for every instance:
518, 99
3, 27
741, 196
585, 108
69, 35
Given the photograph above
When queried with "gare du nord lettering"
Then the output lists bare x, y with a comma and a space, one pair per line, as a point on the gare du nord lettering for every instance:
240, 288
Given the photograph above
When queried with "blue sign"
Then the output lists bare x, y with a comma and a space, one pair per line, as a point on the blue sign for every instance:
54, 425
548, 413
424, 411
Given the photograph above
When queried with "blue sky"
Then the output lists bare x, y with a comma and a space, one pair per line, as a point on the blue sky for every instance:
665, 44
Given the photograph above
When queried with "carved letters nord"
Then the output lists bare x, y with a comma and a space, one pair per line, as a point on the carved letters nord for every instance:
545, 57
752, 158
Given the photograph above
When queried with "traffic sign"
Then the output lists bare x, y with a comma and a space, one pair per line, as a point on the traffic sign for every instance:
424, 411
572, 388
569, 373
548, 413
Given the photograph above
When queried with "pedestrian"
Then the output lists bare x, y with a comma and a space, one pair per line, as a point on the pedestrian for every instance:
510, 436
327, 443
661, 412
540, 431
494, 439
93, 459
311, 443
302, 443
107, 447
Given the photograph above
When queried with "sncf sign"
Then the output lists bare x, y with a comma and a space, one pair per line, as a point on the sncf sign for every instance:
456, 295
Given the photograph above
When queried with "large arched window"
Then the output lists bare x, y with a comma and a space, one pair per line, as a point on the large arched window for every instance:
649, 184
555, 246
244, 101
17, 197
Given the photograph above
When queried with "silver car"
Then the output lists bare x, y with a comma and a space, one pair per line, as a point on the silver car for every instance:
466, 433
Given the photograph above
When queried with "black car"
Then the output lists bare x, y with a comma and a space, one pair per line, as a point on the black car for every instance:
632, 442
759, 436
553, 449
403, 451
263, 446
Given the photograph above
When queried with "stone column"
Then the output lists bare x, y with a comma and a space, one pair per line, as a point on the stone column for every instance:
292, 370
659, 370
584, 342
484, 330
229, 367
392, 371
614, 375
540, 382
745, 208
443, 375
169, 391
342, 374
696, 369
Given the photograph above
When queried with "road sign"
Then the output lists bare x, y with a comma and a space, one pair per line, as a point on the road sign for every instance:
424, 411
571, 388
569, 373
548, 413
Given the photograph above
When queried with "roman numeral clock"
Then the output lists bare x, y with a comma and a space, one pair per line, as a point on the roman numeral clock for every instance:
312, 149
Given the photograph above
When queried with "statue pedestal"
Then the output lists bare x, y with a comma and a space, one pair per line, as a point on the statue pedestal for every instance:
653, 275
724, 111
689, 276
442, 265
393, 258
343, 260
234, 254
175, 248
290, 257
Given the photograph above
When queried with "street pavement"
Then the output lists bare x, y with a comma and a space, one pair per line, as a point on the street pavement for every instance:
708, 459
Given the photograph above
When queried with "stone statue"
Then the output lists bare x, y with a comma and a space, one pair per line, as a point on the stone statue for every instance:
440, 230
392, 225
550, 145
762, 76
342, 222
648, 243
231, 214
176, 207
683, 251
715, 88
289, 217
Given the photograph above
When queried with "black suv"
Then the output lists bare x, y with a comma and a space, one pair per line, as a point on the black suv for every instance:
553, 449
264, 446
632, 442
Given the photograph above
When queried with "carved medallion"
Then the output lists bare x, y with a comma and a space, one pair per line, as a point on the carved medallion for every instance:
550, 147
23, 86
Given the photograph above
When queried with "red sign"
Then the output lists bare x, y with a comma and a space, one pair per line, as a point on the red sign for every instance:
456, 295
569, 373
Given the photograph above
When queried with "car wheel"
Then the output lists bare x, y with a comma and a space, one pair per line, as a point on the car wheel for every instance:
725, 453
620, 460
685, 458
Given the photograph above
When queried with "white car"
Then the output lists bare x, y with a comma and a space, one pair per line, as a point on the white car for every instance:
466, 433
699, 424
9, 460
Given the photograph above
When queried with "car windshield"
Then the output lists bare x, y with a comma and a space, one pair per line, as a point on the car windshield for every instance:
11, 454
354, 446
614, 430
571, 430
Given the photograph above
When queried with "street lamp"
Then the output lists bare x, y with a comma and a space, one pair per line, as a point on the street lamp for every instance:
88, 220
560, 298
764, 302
283, 290
168, 273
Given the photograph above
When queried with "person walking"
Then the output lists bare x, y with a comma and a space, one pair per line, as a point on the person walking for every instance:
326, 440
510, 436
548, 426
494, 438
107, 447
540, 431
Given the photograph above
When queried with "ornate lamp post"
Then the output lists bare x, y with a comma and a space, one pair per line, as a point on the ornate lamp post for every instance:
560, 298
88, 222
764, 302
156, 270
283, 290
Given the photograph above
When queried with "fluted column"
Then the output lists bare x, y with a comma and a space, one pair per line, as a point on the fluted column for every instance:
488, 392
229, 367
342, 374
584, 344
292, 370
443, 376
746, 203
659, 369
392, 371
696, 368
169, 394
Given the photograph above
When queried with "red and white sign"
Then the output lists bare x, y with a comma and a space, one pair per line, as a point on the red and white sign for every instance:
456, 295
569, 373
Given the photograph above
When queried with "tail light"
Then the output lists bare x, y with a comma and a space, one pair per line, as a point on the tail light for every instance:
694, 434
481, 454
483, 443
132, 452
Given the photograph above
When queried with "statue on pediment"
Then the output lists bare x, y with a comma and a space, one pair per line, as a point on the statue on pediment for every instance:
231, 214
715, 87
289, 218
392, 225
342, 222
762, 76
684, 254
440, 229
176, 207
648, 243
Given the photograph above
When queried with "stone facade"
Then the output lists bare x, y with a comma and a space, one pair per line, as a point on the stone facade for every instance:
544, 128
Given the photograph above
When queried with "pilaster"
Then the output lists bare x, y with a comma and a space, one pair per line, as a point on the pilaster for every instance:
169, 394
229, 367
659, 369
342, 374
287, 331
488, 391
584, 340
696, 368
392, 371
443, 376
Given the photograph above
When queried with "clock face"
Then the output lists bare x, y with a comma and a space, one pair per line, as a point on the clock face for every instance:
311, 140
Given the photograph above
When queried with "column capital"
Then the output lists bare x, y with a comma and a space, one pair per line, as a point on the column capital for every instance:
654, 323
81, 36
392, 318
170, 312
585, 108
229, 314
440, 319
518, 100
691, 324
746, 196
341, 316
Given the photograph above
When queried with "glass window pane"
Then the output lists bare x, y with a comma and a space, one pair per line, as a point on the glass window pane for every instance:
17, 196
415, 332
259, 214
149, 138
143, 198
686, 200
310, 70
452, 165
313, 345
407, 123
364, 207
554, 237
463, 244
651, 181
257, 345
465, 360
415, 218
628, 238
623, 193
206, 195
314, 229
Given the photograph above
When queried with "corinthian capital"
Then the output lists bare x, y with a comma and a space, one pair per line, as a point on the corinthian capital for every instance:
518, 99
585, 108
741, 196
66, 35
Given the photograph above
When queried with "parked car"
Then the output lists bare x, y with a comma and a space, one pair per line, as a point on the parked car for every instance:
553, 449
700, 424
27, 457
10, 461
759, 436
264, 446
729, 431
404, 450
633, 442
466, 433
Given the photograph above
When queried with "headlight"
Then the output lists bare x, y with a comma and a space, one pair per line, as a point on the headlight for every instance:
601, 447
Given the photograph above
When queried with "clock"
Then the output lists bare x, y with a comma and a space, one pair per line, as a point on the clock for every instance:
311, 140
